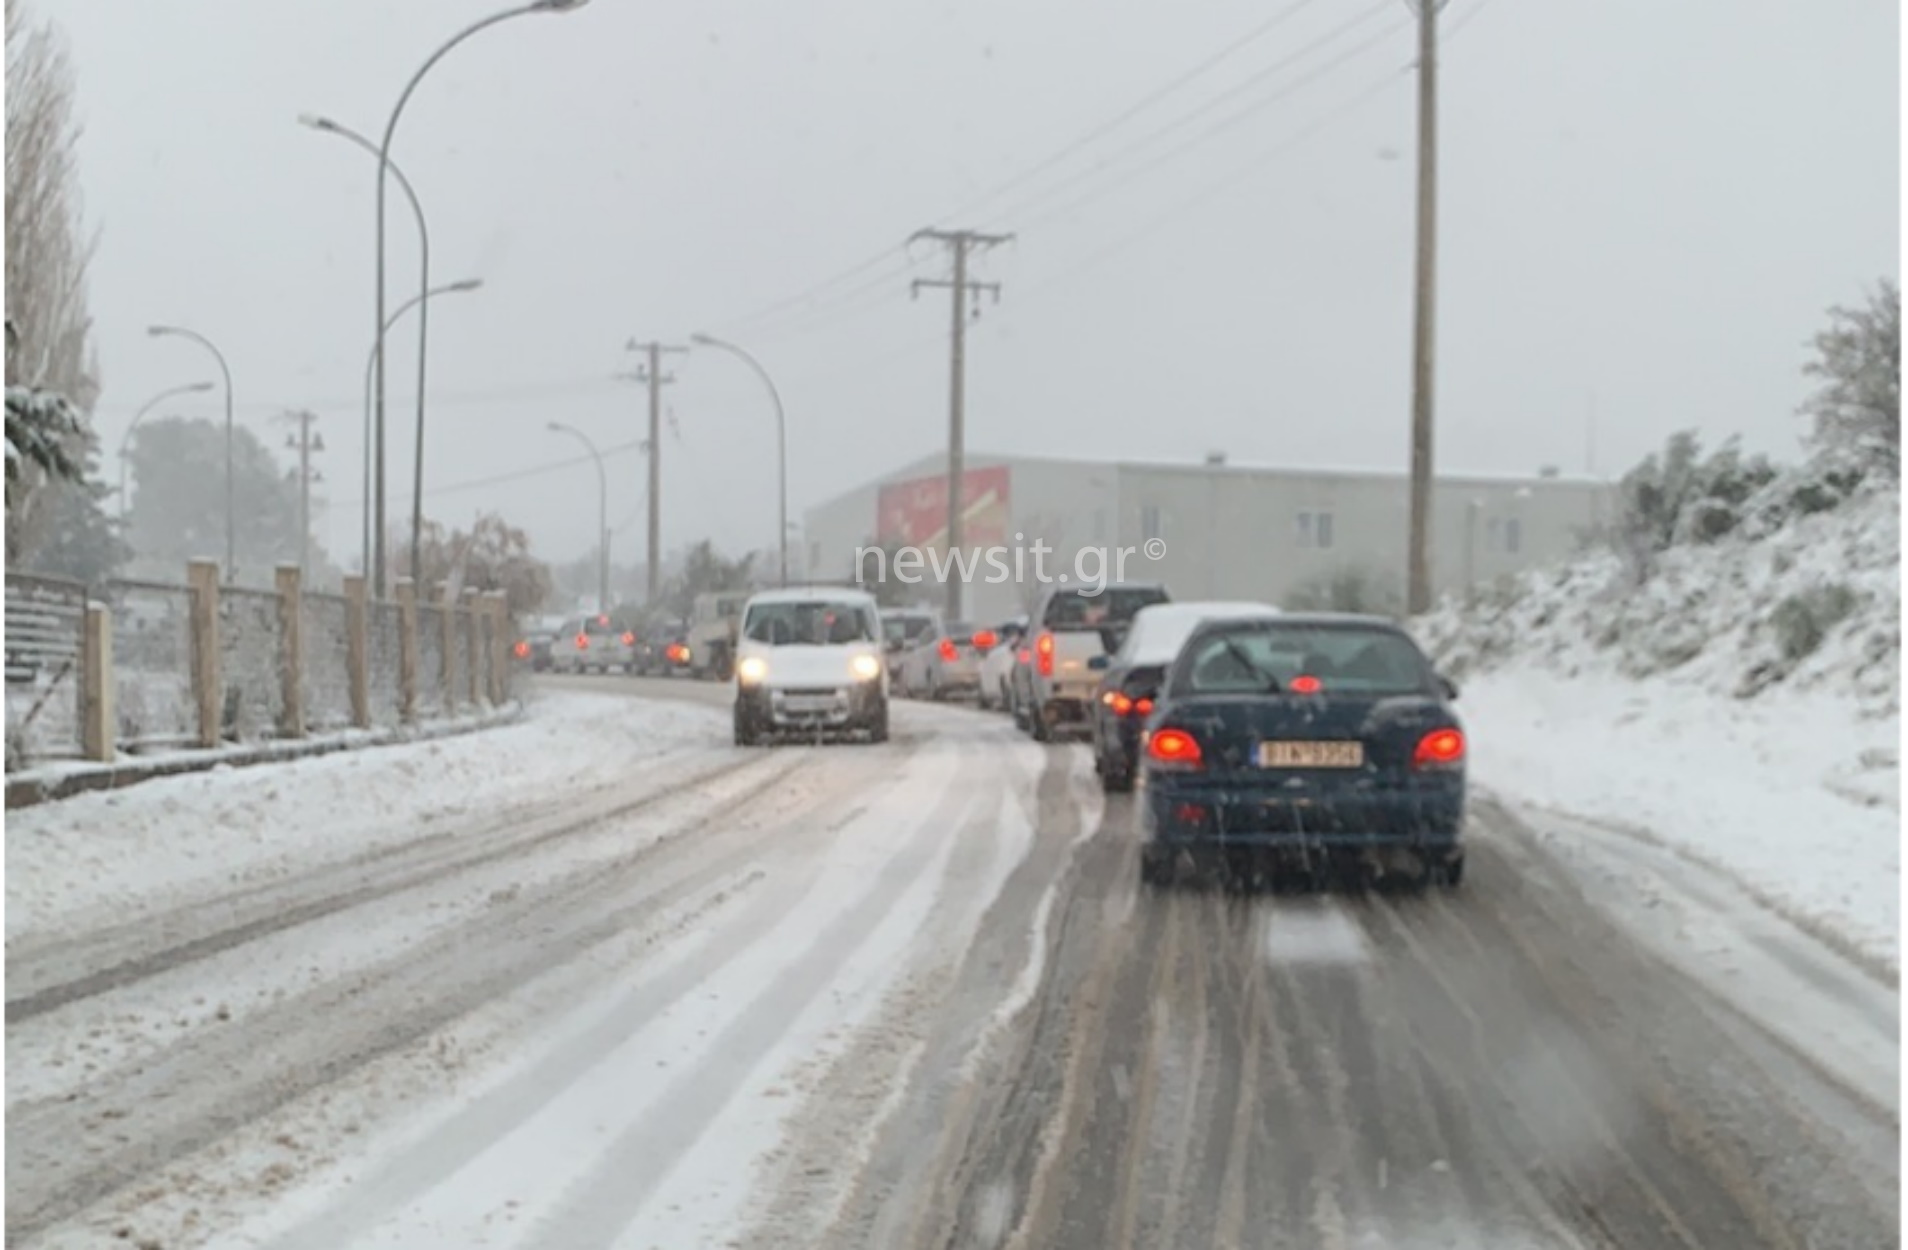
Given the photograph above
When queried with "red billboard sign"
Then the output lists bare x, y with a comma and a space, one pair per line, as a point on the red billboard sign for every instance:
914, 513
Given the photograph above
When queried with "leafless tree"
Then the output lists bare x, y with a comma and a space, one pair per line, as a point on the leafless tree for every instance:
49, 349
1857, 408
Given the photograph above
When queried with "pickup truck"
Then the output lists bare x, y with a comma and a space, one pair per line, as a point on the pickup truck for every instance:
1070, 628
714, 622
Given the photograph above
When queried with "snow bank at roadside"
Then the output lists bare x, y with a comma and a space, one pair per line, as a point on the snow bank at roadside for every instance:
76, 862
1740, 704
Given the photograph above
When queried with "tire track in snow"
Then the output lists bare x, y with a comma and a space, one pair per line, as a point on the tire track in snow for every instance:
72, 1154
265, 911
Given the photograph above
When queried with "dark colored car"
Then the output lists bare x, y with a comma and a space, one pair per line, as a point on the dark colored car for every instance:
534, 649
662, 649
1317, 737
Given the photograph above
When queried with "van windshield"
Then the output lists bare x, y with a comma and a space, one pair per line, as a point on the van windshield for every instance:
813, 623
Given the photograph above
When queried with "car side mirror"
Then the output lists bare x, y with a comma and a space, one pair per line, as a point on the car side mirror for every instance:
1100, 663
1449, 687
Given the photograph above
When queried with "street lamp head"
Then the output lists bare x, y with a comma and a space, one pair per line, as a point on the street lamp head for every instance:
160, 331
316, 122
702, 340
468, 284
558, 6
196, 387
554, 427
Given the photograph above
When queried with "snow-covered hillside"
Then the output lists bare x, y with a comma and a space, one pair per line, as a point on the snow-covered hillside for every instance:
1738, 703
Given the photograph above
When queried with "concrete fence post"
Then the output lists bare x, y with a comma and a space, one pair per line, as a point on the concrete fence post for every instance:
407, 650
473, 646
202, 576
291, 651
358, 649
96, 685
447, 636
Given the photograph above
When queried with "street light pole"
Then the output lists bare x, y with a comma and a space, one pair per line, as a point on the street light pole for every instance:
326, 125
231, 520
781, 432
384, 163
602, 513
125, 441
420, 302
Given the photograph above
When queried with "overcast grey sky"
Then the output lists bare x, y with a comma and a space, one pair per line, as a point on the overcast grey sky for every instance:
1648, 202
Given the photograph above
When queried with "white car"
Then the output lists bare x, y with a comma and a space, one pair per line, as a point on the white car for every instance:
997, 670
809, 661
946, 661
592, 644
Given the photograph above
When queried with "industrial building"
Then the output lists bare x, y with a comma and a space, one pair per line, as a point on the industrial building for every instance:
1227, 531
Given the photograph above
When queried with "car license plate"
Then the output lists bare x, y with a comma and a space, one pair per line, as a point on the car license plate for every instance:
809, 703
1311, 755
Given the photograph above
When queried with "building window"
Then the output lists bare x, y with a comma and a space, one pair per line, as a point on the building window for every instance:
1513, 535
1493, 535
1315, 529
1149, 522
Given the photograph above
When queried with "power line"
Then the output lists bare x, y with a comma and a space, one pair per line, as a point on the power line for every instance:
536, 470
1153, 97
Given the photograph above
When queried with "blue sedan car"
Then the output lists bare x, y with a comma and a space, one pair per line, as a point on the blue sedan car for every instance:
1314, 737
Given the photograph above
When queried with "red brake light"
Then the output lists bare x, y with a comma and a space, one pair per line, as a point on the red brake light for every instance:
1174, 746
1121, 705
986, 639
582, 642
1305, 683
1441, 748
1044, 648
949, 651
602, 620
523, 648
1143, 707
629, 638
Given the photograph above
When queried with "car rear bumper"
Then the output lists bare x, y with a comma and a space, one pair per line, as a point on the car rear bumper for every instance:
1420, 817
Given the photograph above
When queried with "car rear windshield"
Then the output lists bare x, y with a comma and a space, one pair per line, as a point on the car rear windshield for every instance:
905, 629
815, 623
1346, 659
1115, 605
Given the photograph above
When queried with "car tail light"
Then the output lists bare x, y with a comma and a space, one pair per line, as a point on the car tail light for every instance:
1121, 705
629, 639
602, 620
1024, 657
1043, 647
949, 651
582, 642
1174, 748
1143, 707
523, 649
986, 639
1441, 748
1305, 683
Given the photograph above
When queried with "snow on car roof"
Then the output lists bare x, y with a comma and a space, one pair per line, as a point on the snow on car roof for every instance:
812, 594
1161, 630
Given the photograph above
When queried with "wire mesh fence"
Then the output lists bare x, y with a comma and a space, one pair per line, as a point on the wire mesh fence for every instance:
155, 636
325, 626
45, 632
152, 665
434, 692
385, 638
250, 638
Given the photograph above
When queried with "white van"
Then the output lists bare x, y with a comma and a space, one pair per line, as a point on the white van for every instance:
810, 661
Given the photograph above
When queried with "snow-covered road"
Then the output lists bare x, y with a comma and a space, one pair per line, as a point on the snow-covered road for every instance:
603, 980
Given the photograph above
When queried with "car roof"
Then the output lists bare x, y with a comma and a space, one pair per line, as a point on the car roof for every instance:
1275, 617
1159, 630
808, 594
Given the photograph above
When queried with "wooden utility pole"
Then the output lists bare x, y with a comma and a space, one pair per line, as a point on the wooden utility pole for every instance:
960, 243
652, 373
1418, 597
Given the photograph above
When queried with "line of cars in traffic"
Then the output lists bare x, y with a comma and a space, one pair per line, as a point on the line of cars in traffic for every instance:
1248, 731
700, 645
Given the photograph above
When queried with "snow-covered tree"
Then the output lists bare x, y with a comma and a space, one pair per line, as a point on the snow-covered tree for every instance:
1856, 411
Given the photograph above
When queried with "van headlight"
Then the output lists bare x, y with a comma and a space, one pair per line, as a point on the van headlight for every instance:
752, 669
865, 667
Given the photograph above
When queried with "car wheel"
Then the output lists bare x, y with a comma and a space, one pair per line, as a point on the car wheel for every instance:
1115, 778
745, 734
1037, 724
878, 727
1156, 868
1449, 874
